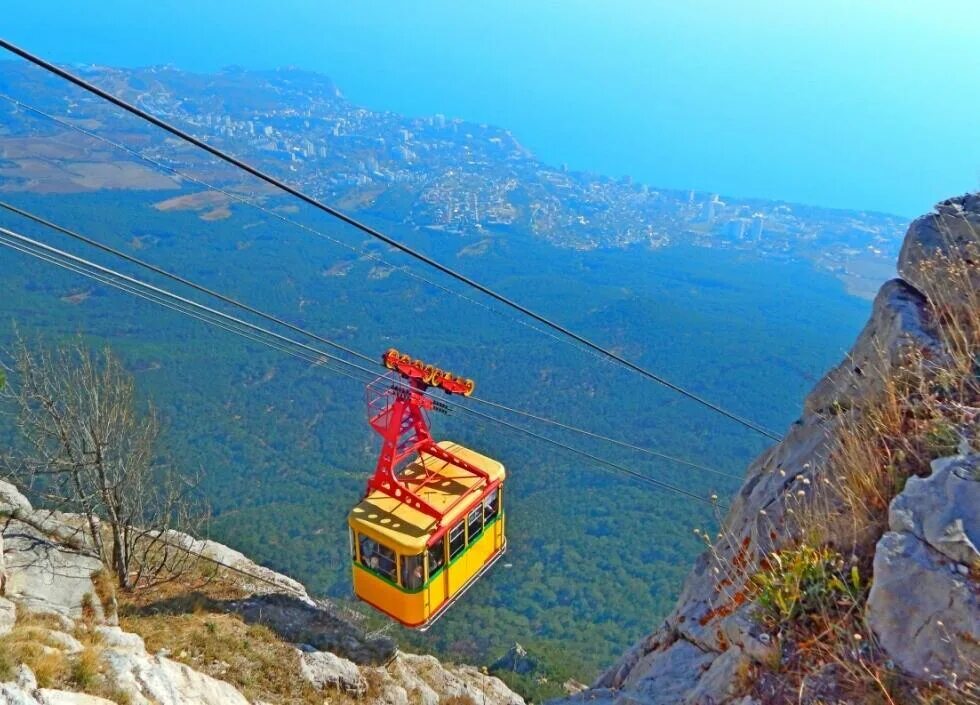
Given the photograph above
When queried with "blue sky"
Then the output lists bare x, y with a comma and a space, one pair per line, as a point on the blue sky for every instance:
860, 104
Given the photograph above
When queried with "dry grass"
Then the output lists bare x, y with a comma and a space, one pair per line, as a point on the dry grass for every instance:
31, 643
250, 657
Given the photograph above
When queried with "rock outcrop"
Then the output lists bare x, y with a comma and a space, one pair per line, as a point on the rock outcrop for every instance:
45, 564
156, 680
516, 660
924, 605
925, 568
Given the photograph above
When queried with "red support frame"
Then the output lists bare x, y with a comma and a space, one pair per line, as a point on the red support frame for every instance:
398, 413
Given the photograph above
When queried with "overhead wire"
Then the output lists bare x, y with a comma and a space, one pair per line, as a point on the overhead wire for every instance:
377, 234
39, 250
74, 234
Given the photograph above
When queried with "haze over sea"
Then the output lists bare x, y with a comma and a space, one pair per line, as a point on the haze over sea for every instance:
868, 105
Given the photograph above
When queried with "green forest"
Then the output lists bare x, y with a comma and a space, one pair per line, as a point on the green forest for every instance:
595, 560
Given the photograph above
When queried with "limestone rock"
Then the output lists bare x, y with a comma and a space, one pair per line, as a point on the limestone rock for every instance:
516, 660
15, 694
724, 679
115, 638
25, 678
326, 670
46, 576
666, 676
61, 641
952, 229
12, 694
45, 696
428, 681
943, 509
12, 500
392, 694
155, 680
8, 615
900, 323
269, 580
926, 616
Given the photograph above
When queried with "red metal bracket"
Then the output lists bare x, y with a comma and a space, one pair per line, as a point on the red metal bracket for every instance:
397, 413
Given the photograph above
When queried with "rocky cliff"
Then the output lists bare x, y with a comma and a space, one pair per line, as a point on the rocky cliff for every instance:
847, 568
229, 633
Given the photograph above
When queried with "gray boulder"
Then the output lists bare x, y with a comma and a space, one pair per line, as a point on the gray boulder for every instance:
923, 604
924, 612
46, 576
155, 680
11, 500
943, 509
326, 670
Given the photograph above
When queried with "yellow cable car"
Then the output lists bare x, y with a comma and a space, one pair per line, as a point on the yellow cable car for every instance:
427, 528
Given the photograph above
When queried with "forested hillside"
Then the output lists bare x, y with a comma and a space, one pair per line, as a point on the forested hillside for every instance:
284, 450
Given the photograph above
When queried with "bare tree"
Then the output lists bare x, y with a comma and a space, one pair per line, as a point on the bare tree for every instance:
88, 446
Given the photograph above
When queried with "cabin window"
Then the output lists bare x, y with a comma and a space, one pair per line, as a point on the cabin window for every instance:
474, 522
457, 540
378, 558
437, 556
492, 505
413, 571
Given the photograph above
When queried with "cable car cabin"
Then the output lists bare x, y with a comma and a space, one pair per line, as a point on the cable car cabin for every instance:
432, 518
408, 566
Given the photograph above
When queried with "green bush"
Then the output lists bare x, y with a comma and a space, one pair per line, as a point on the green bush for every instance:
803, 580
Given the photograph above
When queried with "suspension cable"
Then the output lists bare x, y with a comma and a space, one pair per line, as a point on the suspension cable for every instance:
354, 353
375, 233
21, 243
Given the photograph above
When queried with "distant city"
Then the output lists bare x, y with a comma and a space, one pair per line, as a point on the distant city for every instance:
430, 172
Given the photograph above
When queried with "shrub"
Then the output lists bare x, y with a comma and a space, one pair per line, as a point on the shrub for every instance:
801, 581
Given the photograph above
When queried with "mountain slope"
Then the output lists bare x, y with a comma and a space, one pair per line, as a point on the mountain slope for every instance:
760, 617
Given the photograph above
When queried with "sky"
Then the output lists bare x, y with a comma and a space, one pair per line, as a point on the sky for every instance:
860, 104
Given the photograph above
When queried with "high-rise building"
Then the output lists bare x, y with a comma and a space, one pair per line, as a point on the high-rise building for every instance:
735, 229
758, 222
711, 207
